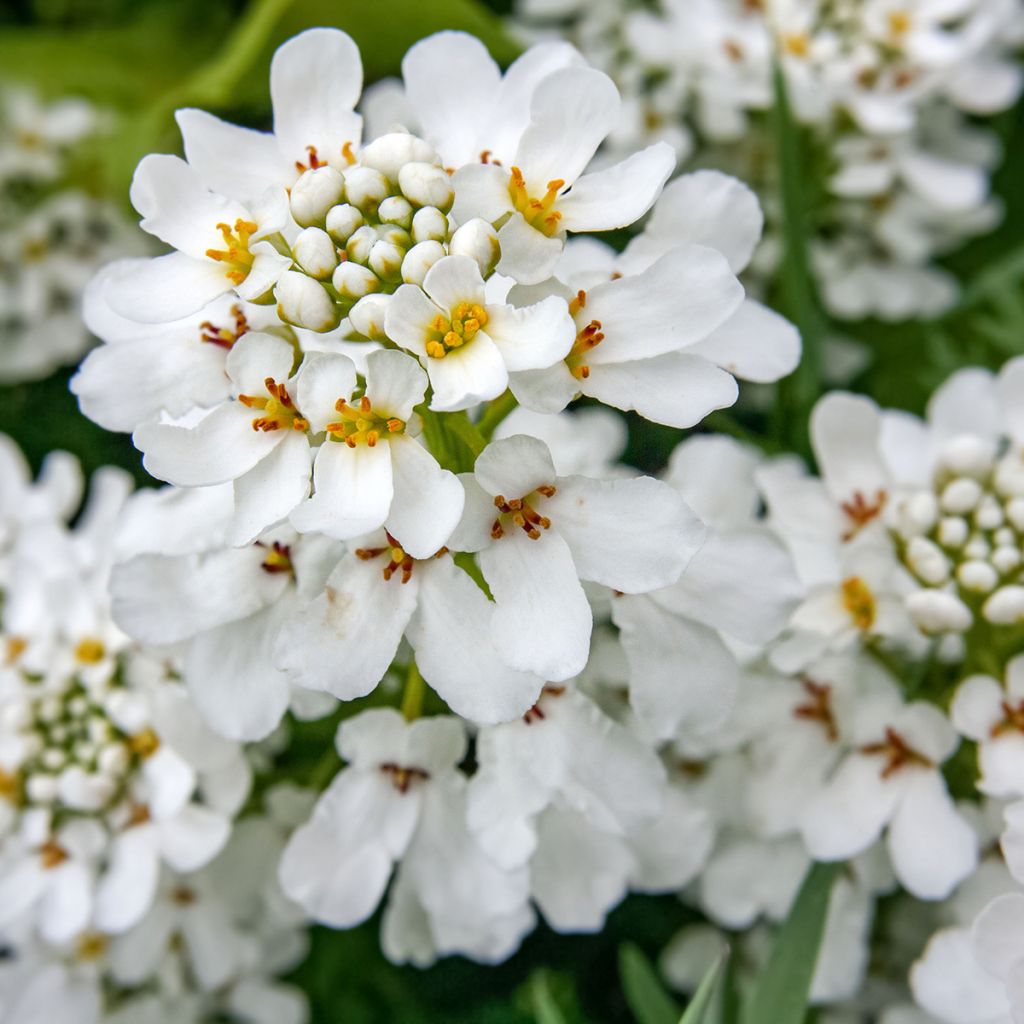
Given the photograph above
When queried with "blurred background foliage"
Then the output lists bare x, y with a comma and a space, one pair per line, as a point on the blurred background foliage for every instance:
144, 58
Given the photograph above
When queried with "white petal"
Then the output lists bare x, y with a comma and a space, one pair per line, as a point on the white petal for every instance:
977, 707
571, 112
966, 404
394, 383
845, 431
167, 288
126, 890
67, 904
352, 491
619, 195
997, 934
949, 982
450, 635
408, 317
193, 837
532, 337
315, 81
678, 389
527, 255
213, 947
542, 621
546, 391
630, 535
344, 640
454, 279
755, 343
481, 190
514, 466
257, 356
322, 379
271, 489
468, 375
428, 500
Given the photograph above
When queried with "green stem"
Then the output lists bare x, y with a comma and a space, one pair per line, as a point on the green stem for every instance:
495, 413
461, 426
415, 691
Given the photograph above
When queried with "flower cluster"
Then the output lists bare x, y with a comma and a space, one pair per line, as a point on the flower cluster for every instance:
54, 233
116, 801
886, 88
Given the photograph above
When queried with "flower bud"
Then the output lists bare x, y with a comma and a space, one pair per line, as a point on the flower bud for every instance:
41, 789
353, 281
366, 188
429, 224
389, 153
977, 576
478, 240
367, 316
936, 611
396, 210
1005, 607
960, 495
316, 191
968, 456
953, 532
314, 251
928, 560
1009, 477
305, 303
386, 260
426, 185
342, 222
921, 512
1006, 558
419, 259
360, 244
396, 235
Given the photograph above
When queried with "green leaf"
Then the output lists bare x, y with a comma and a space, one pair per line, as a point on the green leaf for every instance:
542, 1001
699, 1006
781, 992
645, 994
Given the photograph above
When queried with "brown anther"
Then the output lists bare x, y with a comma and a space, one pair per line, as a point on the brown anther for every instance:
183, 896
898, 753
10, 787
278, 560
818, 707
139, 815
860, 511
90, 946
15, 648
485, 158
403, 778
536, 713
314, 161
578, 302
547, 490
52, 854
224, 337
1012, 721
733, 50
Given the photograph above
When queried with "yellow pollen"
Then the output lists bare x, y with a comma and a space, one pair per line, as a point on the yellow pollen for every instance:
361, 425
90, 946
16, 646
314, 161
236, 255
859, 602
796, 44
588, 337
278, 408
900, 22
538, 213
443, 336
145, 743
90, 650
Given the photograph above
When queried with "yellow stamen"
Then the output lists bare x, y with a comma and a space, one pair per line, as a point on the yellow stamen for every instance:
537, 212
443, 336
236, 255
145, 743
859, 602
90, 650
278, 409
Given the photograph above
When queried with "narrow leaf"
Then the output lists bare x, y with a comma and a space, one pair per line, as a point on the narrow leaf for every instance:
697, 1011
545, 1009
781, 992
646, 996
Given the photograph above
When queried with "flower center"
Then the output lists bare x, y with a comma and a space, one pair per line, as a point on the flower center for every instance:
588, 337
403, 778
796, 44
859, 511
520, 512
90, 651
278, 560
536, 713
236, 254
277, 407
859, 602
398, 559
52, 854
314, 160
818, 707
90, 946
538, 213
224, 337
361, 425
897, 752
1013, 719
444, 336
900, 22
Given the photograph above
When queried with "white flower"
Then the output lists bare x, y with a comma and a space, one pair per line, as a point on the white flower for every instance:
544, 192
537, 535
892, 779
370, 470
991, 715
467, 345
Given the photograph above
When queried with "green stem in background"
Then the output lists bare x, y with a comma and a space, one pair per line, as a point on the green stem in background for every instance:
495, 413
461, 426
798, 393
413, 694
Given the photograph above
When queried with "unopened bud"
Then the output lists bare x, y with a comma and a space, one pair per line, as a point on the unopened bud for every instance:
313, 195
386, 260
366, 188
396, 210
429, 225
936, 611
314, 251
921, 512
390, 153
953, 532
960, 495
342, 222
367, 316
353, 281
977, 576
478, 240
360, 244
928, 560
1005, 607
1009, 477
305, 303
419, 259
426, 185
968, 456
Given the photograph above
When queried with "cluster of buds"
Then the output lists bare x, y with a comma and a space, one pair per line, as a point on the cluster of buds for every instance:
963, 540
380, 222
